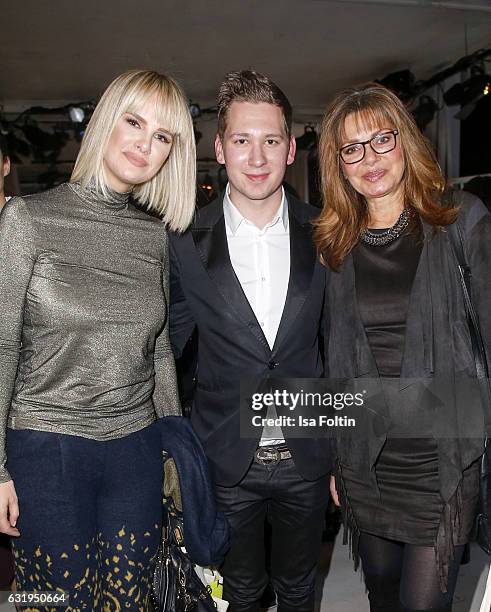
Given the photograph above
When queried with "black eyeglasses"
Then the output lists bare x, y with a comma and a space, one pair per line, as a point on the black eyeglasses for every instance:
380, 143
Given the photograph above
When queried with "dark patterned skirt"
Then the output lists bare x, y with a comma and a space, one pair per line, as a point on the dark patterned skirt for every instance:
90, 517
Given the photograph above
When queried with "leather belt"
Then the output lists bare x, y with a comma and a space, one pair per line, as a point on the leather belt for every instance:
271, 455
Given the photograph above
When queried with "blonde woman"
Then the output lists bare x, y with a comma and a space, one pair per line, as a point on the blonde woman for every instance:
85, 361
397, 311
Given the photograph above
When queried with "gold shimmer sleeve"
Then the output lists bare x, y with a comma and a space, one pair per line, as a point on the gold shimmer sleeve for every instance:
17, 258
165, 396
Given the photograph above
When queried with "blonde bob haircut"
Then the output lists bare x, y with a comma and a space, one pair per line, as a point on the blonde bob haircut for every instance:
171, 193
344, 214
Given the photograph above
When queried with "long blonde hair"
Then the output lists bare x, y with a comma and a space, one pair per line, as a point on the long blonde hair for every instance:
171, 193
345, 215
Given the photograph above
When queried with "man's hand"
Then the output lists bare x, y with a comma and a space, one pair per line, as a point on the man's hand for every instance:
334, 493
9, 509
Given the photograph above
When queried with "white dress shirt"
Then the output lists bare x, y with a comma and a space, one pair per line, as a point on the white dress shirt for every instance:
261, 261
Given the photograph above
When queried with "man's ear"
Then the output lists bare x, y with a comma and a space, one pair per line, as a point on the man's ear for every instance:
292, 149
219, 150
6, 165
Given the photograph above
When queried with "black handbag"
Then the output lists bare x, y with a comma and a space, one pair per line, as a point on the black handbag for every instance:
482, 526
176, 586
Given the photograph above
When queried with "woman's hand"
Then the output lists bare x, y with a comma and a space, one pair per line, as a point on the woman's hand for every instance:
9, 509
334, 493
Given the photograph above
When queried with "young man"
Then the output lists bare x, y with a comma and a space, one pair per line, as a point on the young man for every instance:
246, 274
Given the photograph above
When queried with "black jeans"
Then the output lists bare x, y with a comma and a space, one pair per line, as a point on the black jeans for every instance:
295, 509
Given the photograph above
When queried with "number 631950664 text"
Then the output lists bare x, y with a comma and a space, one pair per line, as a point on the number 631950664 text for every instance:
55, 599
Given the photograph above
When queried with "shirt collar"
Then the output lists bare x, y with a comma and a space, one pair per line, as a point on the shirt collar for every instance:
234, 219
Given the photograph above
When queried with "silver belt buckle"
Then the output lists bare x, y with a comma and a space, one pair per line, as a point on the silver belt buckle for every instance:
268, 456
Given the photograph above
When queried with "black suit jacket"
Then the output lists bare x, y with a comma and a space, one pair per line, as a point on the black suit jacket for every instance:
231, 344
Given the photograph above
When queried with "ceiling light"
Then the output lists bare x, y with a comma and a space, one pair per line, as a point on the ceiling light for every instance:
308, 140
424, 111
77, 114
195, 110
401, 83
468, 93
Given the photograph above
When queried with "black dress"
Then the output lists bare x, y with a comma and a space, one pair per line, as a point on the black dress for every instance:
408, 506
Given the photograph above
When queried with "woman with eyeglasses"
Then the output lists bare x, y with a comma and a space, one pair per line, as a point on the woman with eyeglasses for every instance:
396, 321
86, 367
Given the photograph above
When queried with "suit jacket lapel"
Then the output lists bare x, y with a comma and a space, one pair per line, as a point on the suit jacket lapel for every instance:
302, 264
211, 242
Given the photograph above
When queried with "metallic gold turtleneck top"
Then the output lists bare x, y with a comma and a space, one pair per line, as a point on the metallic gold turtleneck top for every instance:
84, 344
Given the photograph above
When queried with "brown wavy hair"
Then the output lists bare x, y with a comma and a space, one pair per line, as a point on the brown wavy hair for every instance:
344, 214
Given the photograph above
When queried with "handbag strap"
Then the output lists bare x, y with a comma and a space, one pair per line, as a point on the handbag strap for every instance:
478, 350
465, 275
